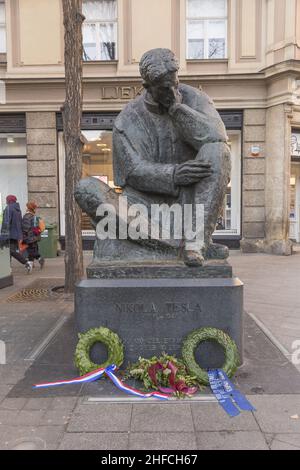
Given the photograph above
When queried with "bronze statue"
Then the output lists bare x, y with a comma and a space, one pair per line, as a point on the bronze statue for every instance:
169, 146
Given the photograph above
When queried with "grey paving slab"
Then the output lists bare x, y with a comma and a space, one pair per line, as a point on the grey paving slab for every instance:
100, 418
8, 417
56, 417
286, 340
211, 417
290, 316
272, 291
94, 441
46, 373
30, 437
231, 440
11, 375
28, 418
61, 349
4, 390
64, 403
13, 403
162, 441
265, 367
274, 413
38, 403
284, 441
162, 418
21, 418
25, 333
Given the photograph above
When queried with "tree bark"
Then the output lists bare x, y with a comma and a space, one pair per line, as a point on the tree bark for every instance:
71, 112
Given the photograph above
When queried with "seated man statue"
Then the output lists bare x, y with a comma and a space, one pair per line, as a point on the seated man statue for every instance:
169, 146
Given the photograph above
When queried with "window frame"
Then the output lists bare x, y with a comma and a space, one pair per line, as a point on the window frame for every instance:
14, 134
97, 23
205, 38
102, 121
4, 26
236, 189
17, 158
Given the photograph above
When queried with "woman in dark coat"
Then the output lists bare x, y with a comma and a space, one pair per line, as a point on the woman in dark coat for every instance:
12, 229
32, 234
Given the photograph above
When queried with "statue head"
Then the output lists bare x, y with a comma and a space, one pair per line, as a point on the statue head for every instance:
159, 71
157, 63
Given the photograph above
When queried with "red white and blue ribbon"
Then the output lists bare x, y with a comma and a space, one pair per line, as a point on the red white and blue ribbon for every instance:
109, 371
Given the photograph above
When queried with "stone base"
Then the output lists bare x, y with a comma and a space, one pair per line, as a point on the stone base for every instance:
153, 316
272, 247
166, 270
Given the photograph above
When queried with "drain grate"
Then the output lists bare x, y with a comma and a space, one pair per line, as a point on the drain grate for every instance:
42, 289
29, 295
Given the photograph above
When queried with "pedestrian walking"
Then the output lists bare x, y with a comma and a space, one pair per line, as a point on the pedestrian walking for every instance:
12, 230
32, 227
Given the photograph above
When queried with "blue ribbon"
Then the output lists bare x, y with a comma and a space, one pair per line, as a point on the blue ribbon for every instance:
237, 396
226, 393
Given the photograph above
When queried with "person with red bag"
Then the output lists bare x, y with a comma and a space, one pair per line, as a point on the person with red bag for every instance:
32, 227
11, 230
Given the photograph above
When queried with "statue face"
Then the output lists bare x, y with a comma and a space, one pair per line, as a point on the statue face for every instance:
166, 90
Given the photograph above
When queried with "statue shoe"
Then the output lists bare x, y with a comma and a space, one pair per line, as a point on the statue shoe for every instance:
193, 258
216, 251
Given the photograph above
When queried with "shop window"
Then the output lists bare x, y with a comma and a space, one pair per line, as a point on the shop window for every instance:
293, 197
206, 29
295, 202
2, 28
99, 30
295, 187
295, 145
228, 222
13, 168
96, 161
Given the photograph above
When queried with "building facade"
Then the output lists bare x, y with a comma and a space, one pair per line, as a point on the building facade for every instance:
244, 54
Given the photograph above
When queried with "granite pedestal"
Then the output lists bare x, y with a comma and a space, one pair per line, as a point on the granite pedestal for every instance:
153, 314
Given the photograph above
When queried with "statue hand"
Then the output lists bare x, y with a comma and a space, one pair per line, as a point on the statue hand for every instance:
191, 172
169, 98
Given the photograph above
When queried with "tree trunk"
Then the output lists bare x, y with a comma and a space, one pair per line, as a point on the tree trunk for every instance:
71, 111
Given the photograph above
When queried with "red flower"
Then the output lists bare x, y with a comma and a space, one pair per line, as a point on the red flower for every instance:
175, 386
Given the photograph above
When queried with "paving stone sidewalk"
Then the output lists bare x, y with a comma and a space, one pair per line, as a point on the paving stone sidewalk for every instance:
72, 422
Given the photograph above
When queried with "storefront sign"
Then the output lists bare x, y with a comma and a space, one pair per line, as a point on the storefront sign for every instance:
121, 92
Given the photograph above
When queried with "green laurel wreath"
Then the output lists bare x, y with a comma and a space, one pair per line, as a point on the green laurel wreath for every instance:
103, 335
192, 341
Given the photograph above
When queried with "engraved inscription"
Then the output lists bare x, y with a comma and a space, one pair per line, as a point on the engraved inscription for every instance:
175, 307
136, 308
152, 345
169, 310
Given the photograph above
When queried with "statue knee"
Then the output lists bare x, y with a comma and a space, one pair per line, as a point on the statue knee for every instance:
89, 193
217, 154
